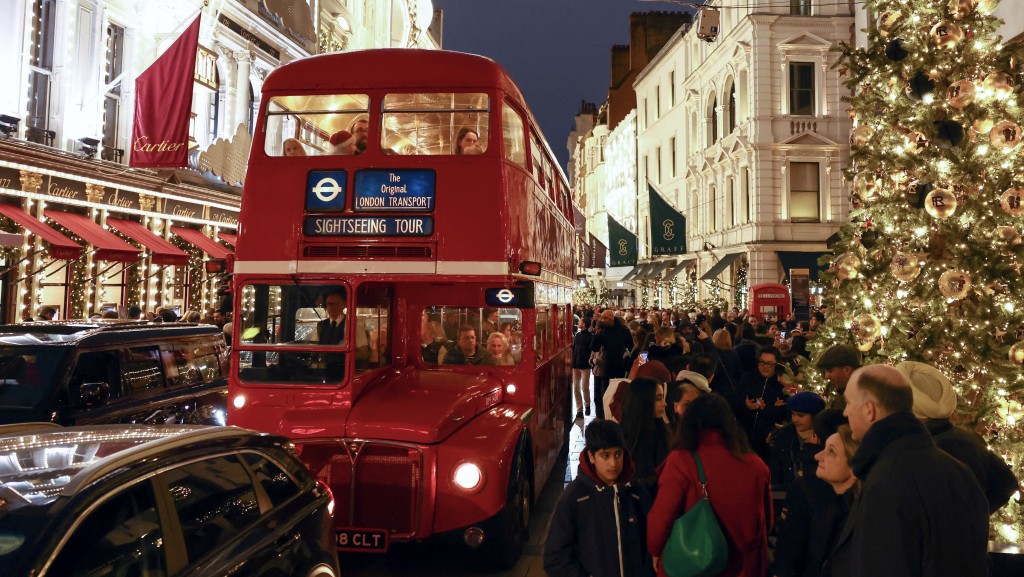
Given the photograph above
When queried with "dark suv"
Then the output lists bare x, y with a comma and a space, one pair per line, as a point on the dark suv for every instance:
80, 373
156, 501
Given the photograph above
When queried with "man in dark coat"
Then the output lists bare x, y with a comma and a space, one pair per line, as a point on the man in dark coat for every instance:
616, 340
920, 512
599, 527
763, 401
934, 402
466, 350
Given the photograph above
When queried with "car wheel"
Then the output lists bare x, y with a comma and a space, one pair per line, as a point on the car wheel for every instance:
512, 528
322, 571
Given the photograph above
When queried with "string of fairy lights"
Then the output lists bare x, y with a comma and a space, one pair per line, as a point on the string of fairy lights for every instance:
929, 266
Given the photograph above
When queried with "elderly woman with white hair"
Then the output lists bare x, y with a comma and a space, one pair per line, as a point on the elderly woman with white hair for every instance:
934, 403
499, 351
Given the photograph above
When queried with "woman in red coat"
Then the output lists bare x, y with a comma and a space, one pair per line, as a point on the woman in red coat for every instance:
738, 487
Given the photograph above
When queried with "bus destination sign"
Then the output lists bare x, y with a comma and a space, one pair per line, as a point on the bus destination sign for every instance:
368, 226
394, 190
325, 190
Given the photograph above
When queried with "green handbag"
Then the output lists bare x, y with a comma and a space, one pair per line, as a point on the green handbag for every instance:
696, 547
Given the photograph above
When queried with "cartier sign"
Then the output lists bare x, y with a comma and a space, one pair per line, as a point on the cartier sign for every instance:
221, 216
65, 188
10, 178
174, 208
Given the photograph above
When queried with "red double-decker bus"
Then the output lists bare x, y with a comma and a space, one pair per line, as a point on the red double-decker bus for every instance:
402, 293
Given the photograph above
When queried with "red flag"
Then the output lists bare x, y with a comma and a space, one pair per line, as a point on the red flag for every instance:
163, 105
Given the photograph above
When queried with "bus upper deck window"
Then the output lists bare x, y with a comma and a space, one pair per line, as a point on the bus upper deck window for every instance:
324, 124
439, 123
514, 135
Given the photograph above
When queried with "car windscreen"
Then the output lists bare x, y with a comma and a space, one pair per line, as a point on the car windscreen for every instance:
26, 374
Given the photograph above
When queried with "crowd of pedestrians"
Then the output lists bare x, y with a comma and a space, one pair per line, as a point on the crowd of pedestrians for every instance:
868, 478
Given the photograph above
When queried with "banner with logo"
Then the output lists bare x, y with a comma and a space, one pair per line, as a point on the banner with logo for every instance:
622, 244
163, 105
668, 226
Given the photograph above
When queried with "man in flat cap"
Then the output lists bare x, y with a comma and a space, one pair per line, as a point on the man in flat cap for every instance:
934, 403
837, 363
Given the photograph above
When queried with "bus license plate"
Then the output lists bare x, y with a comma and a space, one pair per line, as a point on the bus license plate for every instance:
366, 540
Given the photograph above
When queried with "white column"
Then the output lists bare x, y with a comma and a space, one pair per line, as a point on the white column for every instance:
244, 59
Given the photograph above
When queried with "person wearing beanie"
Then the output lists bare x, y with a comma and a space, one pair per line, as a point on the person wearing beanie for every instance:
934, 403
343, 142
794, 445
599, 526
837, 363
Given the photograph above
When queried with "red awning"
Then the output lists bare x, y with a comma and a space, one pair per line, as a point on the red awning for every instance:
164, 253
108, 246
229, 238
61, 247
202, 242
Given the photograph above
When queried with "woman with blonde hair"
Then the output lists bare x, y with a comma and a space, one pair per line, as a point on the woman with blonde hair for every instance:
292, 147
499, 351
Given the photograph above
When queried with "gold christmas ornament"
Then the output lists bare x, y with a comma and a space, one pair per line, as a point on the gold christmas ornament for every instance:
866, 328
888, 21
960, 94
962, 8
916, 142
1009, 235
1017, 354
1000, 83
1005, 135
866, 186
1010, 200
946, 35
983, 125
940, 203
847, 266
954, 284
905, 266
861, 135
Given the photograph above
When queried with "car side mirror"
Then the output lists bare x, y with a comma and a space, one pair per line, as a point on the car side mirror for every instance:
93, 394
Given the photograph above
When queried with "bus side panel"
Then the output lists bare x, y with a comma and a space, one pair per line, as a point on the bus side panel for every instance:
490, 442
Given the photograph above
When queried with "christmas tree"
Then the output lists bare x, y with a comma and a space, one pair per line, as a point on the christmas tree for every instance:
929, 267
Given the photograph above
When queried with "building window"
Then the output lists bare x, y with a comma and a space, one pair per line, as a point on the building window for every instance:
801, 88
672, 88
44, 16
712, 209
800, 7
731, 118
714, 121
731, 204
672, 158
647, 172
213, 111
657, 102
804, 188
112, 99
646, 112
657, 164
746, 195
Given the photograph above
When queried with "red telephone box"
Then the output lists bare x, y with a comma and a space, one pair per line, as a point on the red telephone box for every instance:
770, 298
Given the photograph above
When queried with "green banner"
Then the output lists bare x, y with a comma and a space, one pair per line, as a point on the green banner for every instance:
668, 226
622, 244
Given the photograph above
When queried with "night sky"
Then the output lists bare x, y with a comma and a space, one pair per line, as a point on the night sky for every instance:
557, 51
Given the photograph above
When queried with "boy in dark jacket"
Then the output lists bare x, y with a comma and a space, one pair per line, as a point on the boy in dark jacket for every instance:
599, 524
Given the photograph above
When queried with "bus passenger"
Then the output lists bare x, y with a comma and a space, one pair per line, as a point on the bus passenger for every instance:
433, 343
466, 351
499, 351
292, 147
331, 330
468, 142
359, 128
490, 323
343, 142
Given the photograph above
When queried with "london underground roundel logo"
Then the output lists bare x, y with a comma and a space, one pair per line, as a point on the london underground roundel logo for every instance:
327, 189
505, 296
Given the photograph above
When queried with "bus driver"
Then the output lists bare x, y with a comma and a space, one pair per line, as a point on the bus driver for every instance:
331, 330
466, 351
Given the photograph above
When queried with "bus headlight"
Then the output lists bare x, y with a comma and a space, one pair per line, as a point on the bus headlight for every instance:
468, 476
238, 401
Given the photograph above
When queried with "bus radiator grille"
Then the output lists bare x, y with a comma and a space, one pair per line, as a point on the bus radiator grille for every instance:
382, 490
367, 251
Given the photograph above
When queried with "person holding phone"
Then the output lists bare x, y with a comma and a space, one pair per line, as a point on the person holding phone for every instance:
764, 402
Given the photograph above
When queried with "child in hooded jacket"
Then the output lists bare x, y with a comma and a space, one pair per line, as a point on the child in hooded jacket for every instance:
599, 525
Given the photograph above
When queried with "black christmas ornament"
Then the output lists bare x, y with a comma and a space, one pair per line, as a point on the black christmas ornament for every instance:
948, 133
868, 238
920, 86
917, 193
894, 51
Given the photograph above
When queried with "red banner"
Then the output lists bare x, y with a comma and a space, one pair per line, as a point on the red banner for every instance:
163, 105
